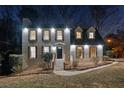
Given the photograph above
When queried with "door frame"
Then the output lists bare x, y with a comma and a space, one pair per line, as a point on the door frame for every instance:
62, 52
93, 46
82, 51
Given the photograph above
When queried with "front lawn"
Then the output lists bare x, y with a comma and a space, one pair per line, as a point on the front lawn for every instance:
112, 76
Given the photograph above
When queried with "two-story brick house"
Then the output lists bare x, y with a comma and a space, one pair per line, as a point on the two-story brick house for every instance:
67, 44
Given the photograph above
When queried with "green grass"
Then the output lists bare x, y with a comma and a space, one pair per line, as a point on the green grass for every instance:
112, 76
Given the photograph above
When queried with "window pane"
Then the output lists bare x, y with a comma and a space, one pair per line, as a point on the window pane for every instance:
91, 35
32, 35
46, 35
46, 49
78, 35
32, 52
59, 35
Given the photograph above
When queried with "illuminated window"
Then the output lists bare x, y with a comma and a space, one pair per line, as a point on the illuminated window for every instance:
32, 52
78, 35
46, 49
32, 35
59, 35
91, 35
46, 35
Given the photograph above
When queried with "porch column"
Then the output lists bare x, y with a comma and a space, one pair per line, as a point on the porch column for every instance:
73, 53
100, 51
86, 52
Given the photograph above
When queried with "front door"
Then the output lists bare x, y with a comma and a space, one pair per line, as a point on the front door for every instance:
93, 52
59, 52
79, 52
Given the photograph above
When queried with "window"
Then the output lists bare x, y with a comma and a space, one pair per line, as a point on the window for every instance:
32, 52
46, 35
46, 49
59, 35
91, 35
78, 35
32, 35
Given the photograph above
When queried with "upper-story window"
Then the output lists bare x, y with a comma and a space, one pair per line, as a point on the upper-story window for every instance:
78, 35
91, 35
59, 35
33, 35
46, 35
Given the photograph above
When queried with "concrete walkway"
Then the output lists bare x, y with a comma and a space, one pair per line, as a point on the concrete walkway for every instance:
74, 72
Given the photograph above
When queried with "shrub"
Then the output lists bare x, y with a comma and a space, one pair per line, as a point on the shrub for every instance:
6, 68
16, 62
110, 53
106, 58
47, 57
95, 60
1, 59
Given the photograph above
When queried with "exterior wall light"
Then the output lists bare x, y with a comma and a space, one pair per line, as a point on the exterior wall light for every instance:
25, 30
67, 30
39, 30
53, 30
99, 46
54, 49
86, 46
73, 47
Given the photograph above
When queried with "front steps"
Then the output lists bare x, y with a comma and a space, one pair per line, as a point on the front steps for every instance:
59, 65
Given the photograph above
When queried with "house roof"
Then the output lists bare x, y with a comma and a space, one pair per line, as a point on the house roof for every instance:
85, 40
48, 26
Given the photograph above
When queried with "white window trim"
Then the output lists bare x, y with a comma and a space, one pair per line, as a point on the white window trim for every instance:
32, 38
78, 36
44, 37
46, 49
33, 52
91, 35
59, 38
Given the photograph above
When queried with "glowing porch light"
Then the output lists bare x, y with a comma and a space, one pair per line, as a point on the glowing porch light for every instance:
53, 30
25, 30
86, 46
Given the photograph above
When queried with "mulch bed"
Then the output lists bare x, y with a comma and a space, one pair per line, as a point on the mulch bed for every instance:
29, 72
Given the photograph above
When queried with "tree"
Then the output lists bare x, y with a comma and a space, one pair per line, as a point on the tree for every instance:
47, 57
30, 13
68, 14
116, 45
101, 13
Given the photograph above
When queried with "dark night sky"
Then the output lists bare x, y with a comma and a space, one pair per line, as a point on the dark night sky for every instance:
111, 18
